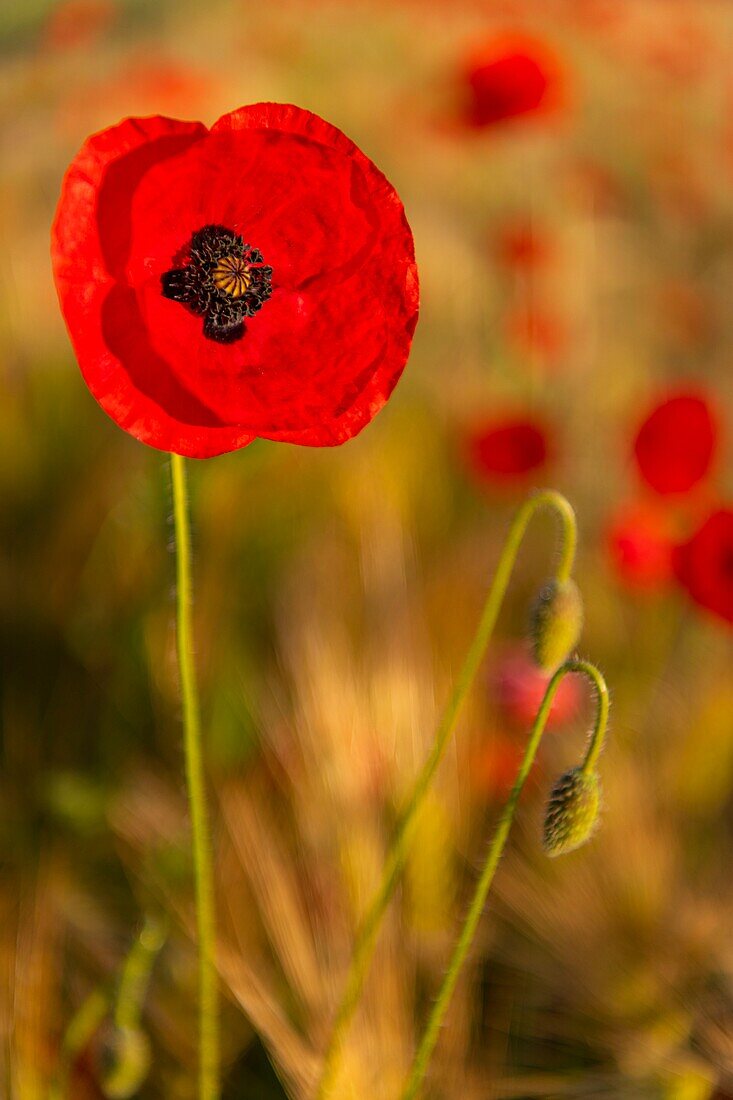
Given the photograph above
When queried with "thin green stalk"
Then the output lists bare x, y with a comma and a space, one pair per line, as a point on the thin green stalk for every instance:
367, 935
83, 1025
127, 1008
136, 973
202, 859
476, 908
599, 729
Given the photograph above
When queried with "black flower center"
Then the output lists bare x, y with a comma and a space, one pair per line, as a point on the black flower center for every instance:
221, 279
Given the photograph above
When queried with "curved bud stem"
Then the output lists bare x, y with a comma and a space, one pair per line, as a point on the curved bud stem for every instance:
80, 1030
136, 973
599, 729
127, 1007
496, 848
367, 935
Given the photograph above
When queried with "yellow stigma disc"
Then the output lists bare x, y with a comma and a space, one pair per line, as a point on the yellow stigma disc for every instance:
232, 275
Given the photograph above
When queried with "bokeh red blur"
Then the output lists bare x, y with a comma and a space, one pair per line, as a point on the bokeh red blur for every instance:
505, 451
704, 564
511, 75
675, 446
641, 540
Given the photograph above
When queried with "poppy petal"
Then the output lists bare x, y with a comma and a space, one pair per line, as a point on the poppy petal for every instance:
133, 385
640, 546
507, 450
675, 445
509, 76
704, 564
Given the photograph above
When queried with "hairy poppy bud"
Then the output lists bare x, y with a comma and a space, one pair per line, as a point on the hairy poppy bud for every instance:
572, 812
556, 623
125, 1062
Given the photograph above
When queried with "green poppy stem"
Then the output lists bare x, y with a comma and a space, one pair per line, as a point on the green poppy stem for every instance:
435, 1020
202, 858
367, 935
136, 972
127, 1007
598, 735
80, 1030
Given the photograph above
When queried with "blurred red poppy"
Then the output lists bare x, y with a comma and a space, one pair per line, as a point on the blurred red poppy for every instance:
675, 445
76, 23
517, 686
681, 49
640, 546
704, 564
521, 247
509, 76
507, 450
534, 331
494, 765
255, 279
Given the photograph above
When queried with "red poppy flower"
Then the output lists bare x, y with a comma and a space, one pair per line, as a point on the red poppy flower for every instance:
640, 546
508, 450
518, 688
534, 331
254, 279
681, 49
520, 247
494, 765
675, 445
704, 565
510, 76
76, 23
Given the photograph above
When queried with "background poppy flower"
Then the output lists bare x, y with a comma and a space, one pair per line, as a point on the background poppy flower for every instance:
535, 331
704, 564
674, 447
640, 546
494, 764
518, 688
507, 450
78, 23
254, 279
520, 246
508, 76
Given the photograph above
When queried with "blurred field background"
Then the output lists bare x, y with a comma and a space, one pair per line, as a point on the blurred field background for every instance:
576, 266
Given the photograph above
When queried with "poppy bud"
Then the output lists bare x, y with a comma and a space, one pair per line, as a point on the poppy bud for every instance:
572, 812
125, 1062
555, 623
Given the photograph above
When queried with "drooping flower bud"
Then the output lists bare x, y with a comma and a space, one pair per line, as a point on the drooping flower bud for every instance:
125, 1062
572, 812
556, 622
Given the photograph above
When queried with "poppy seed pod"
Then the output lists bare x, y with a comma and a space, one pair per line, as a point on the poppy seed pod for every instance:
572, 812
556, 623
125, 1062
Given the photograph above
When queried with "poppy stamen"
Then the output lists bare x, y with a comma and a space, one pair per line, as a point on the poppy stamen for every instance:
232, 275
222, 279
